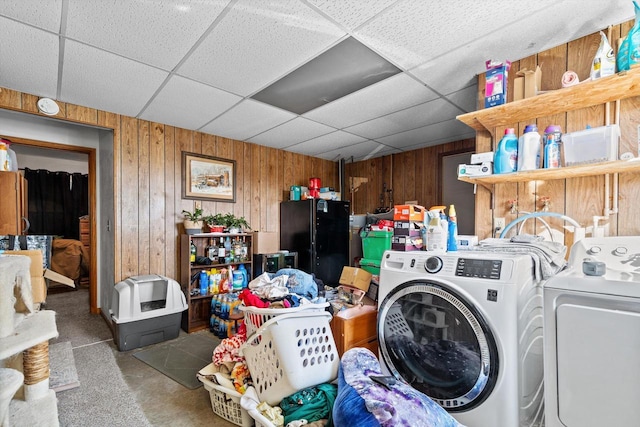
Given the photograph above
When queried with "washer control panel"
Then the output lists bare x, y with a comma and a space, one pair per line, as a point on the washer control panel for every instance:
479, 268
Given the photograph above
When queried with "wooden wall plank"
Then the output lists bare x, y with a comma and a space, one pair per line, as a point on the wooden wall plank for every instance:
10, 99
157, 214
173, 216
144, 211
129, 202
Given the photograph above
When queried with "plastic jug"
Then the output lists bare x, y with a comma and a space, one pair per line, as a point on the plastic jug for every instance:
245, 276
505, 159
529, 149
436, 231
552, 141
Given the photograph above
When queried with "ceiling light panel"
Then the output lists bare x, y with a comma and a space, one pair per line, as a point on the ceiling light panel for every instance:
247, 119
35, 72
374, 101
345, 68
158, 33
45, 15
98, 79
291, 133
257, 42
197, 103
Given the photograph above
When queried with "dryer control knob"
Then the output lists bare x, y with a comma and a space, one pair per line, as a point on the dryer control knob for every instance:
594, 250
433, 264
621, 250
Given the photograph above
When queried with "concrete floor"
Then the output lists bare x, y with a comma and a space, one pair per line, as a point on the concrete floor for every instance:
164, 401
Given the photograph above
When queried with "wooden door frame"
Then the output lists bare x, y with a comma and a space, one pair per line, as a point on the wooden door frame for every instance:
91, 152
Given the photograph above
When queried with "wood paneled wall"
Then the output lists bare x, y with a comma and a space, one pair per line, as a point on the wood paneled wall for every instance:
578, 198
412, 175
148, 179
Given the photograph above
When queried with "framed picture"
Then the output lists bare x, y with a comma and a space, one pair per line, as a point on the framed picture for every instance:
208, 178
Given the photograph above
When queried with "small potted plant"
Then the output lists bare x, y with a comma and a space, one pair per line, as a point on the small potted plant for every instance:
193, 221
236, 224
215, 222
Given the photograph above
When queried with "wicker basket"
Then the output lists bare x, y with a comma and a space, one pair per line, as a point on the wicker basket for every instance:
255, 317
291, 352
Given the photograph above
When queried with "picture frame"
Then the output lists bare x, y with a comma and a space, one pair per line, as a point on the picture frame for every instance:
208, 178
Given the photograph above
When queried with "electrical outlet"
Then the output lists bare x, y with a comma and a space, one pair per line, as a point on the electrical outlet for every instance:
498, 223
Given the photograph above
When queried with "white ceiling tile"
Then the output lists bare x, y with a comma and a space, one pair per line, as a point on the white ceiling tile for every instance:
98, 79
366, 149
291, 133
425, 134
42, 14
466, 98
35, 73
389, 95
431, 112
351, 13
188, 104
328, 142
169, 28
413, 32
247, 119
259, 42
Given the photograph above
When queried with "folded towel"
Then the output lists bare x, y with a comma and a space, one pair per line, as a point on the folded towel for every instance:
548, 257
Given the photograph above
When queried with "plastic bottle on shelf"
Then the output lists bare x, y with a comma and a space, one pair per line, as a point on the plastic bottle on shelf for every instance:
505, 158
552, 146
204, 283
245, 276
192, 253
227, 250
452, 236
529, 149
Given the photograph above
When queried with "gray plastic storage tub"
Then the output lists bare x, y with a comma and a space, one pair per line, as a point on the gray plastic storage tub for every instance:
146, 310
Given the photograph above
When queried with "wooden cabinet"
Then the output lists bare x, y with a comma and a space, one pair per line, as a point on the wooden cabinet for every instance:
198, 312
13, 209
356, 327
619, 86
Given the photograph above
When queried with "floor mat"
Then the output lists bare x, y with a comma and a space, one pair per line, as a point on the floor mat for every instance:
181, 359
62, 366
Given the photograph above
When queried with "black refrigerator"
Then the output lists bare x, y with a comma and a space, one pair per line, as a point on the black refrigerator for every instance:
318, 230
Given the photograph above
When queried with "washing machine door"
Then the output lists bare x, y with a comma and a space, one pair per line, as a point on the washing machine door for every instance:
438, 342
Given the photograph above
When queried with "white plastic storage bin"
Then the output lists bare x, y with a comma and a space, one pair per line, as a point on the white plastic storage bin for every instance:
591, 145
291, 352
254, 317
225, 402
146, 310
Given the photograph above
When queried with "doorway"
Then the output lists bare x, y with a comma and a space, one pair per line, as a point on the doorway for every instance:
456, 192
35, 154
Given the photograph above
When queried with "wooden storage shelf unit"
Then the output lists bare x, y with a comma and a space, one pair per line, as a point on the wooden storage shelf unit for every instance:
593, 92
198, 312
619, 86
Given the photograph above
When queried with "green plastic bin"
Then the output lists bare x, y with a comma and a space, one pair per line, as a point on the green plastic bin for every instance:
371, 265
374, 243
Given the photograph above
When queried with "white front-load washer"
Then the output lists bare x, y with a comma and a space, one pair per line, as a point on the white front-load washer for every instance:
465, 328
592, 336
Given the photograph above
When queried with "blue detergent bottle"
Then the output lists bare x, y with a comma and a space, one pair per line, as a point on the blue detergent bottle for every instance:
505, 158
245, 276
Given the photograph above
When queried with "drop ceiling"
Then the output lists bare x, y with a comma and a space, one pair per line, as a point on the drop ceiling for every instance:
196, 64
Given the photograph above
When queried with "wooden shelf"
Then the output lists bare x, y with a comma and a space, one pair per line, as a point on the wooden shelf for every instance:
593, 92
617, 166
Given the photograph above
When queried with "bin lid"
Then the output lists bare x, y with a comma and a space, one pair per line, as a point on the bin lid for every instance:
370, 262
376, 233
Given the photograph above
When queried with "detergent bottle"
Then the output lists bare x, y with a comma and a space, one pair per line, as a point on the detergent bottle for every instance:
452, 236
529, 149
245, 276
505, 159
436, 232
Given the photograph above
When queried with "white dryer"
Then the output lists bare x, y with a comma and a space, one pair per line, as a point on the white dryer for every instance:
592, 336
465, 328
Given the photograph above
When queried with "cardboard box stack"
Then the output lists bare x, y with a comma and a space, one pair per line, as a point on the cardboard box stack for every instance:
407, 222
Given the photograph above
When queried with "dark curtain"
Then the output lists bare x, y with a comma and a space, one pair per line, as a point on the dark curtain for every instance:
56, 202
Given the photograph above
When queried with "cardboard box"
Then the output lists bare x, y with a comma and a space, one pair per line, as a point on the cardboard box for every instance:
330, 195
355, 277
407, 228
265, 242
408, 213
480, 158
496, 82
406, 243
527, 83
38, 275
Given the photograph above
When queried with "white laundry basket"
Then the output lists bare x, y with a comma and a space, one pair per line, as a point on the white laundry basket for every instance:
291, 352
254, 317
